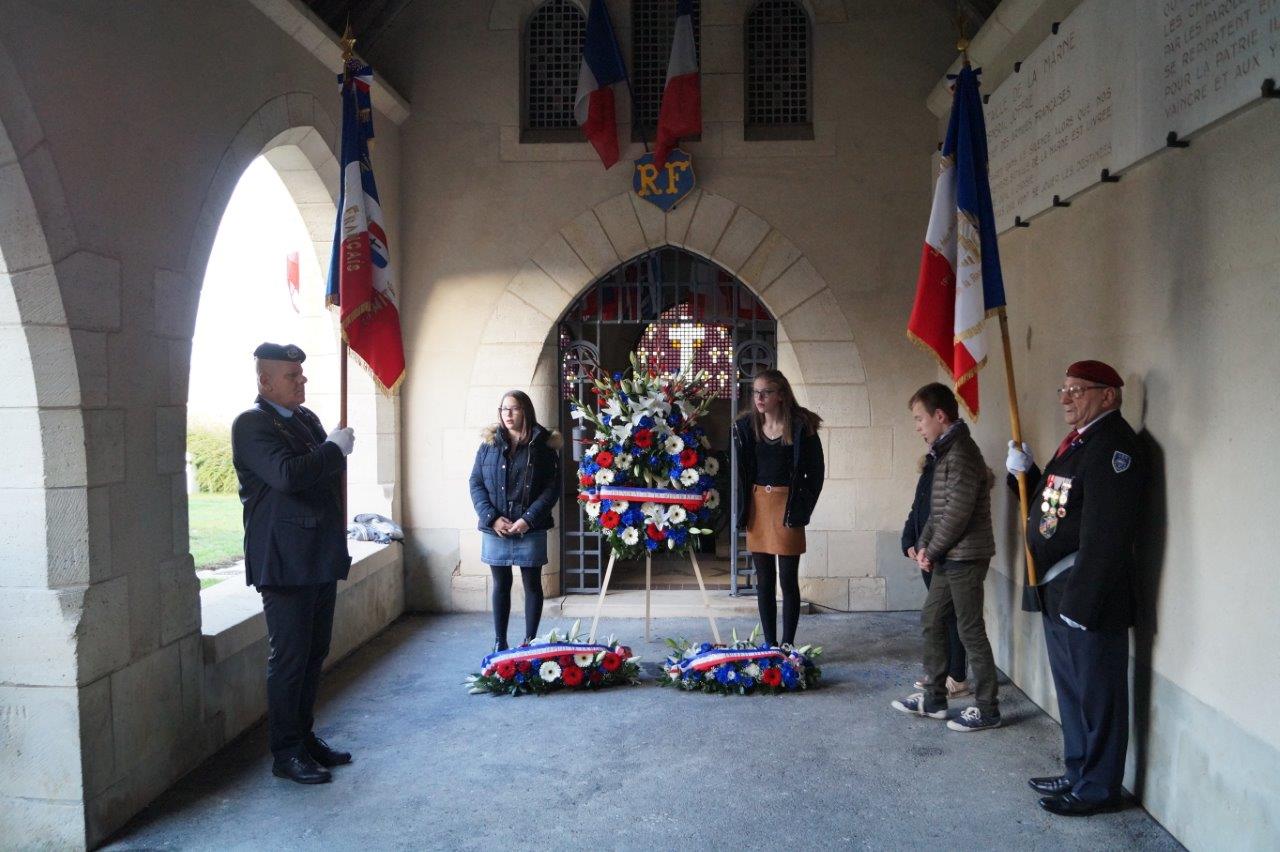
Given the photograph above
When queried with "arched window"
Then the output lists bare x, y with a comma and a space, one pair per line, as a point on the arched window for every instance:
653, 24
778, 72
552, 54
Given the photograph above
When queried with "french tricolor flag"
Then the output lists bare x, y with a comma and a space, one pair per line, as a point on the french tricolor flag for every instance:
681, 113
602, 67
960, 282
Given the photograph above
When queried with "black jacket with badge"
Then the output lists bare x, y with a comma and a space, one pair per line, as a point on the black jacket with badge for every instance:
808, 471
1088, 500
525, 484
291, 489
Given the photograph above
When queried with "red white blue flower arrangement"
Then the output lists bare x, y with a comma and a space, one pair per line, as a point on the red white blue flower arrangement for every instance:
741, 668
646, 480
555, 663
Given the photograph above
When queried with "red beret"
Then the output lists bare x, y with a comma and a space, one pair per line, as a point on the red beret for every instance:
1097, 372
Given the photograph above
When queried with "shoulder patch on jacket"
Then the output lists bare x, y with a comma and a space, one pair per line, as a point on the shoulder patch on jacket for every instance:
1120, 461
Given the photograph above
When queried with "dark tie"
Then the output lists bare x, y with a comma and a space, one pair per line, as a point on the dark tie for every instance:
1066, 442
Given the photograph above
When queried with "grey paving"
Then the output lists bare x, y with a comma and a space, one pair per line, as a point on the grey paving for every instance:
637, 768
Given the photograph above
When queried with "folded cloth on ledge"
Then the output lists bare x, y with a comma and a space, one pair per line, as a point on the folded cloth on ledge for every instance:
370, 527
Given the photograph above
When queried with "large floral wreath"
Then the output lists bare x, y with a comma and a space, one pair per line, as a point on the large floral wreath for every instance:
647, 445
556, 662
741, 667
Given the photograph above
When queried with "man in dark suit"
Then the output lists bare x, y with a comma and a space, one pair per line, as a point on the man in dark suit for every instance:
1081, 529
295, 550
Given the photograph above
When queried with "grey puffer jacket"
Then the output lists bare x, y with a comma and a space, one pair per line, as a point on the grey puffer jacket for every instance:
959, 525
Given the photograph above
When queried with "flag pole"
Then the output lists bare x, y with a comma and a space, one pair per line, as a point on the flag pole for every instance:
348, 42
1015, 420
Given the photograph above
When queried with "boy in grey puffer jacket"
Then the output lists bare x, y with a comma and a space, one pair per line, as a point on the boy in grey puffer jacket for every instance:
956, 545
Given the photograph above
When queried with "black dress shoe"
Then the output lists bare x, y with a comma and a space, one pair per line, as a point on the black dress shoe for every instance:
1068, 804
320, 752
302, 770
1051, 786
499, 645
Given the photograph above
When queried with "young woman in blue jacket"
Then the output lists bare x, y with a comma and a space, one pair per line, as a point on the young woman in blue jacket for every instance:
515, 482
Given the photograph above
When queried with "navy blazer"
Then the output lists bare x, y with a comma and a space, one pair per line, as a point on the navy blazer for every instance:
291, 488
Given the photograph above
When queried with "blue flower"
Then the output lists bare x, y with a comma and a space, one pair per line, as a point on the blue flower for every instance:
617, 377
702, 515
704, 647
790, 678
633, 516
726, 675
616, 449
622, 396
646, 422
520, 678
635, 451
619, 477
678, 536
590, 467
746, 682
605, 505
604, 418
537, 664
650, 544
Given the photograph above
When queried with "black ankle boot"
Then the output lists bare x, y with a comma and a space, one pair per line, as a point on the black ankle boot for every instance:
499, 645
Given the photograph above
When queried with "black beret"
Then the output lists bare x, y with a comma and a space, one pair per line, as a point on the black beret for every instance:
278, 352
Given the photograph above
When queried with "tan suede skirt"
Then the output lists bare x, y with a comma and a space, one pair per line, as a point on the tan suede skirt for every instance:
765, 532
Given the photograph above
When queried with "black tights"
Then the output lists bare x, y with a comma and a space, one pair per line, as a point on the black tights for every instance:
789, 572
531, 579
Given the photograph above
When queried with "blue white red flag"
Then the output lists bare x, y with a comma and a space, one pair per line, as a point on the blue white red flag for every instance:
601, 68
960, 284
360, 281
681, 113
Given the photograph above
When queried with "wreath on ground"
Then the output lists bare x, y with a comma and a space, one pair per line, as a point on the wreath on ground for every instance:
646, 479
741, 667
555, 663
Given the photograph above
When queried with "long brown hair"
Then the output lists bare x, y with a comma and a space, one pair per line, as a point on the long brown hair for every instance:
791, 410
530, 418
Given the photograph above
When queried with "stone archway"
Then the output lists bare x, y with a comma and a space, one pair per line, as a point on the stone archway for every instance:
816, 349
58, 627
295, 134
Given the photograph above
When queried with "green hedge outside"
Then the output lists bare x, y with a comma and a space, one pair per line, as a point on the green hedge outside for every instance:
210, 450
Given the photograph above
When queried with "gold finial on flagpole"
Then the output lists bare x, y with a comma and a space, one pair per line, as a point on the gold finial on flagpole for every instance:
348, 42
962, 43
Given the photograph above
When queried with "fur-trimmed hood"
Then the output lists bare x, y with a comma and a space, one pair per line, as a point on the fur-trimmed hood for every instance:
553, 438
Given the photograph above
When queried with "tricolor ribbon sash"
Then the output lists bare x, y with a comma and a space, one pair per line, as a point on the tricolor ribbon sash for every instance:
545, 651
688, 499
719, 656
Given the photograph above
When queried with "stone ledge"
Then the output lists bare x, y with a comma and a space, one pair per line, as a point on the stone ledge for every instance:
231, 613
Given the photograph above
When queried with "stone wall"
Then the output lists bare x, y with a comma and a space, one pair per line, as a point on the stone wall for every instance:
500, 237
123, 131
1171, 276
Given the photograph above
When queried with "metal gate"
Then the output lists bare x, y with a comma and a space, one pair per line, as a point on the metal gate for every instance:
667, 288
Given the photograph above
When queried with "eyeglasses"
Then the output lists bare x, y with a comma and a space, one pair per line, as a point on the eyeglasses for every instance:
1077, 391
508, 410
763, 394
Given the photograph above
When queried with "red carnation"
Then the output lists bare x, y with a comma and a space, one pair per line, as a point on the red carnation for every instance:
524, 666
654, 533
565, 660
610, 662
643, 438
586, 480
506, 670
571, 675
771, 677
595, 676
604, 458
610, 519
688, 458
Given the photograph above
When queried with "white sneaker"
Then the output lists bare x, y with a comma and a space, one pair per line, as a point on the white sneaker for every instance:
914, 704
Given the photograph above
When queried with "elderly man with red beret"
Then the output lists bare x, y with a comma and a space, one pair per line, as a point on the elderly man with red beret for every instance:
1081, 533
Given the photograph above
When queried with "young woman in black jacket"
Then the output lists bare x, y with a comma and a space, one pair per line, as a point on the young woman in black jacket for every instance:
515, 482
780, 475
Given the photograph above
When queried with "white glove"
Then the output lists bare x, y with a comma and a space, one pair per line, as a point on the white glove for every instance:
344, 439
1018, 460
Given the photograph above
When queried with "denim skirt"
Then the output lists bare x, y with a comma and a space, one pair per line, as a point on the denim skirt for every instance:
526, 550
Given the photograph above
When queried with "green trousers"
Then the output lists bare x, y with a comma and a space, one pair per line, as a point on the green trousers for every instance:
957, 587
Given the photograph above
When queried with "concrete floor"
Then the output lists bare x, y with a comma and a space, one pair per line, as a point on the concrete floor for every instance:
639, 767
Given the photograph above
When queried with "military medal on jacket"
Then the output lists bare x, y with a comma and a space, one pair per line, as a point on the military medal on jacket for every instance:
1056, 495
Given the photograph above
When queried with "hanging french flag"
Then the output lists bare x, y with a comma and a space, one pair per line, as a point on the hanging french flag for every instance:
602, 67
681, 113
960, 284
360, 282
